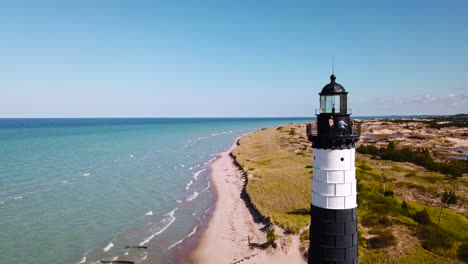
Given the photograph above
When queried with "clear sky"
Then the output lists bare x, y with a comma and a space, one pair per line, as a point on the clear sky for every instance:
230, 58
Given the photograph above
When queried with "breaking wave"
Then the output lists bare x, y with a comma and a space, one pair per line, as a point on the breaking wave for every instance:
108, 247
192, 196
161, 226
83, 260
182, 240
207, 187
188, 185
149, 212
222, 133
196, 174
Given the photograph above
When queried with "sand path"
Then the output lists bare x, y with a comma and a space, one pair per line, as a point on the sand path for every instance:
226, 238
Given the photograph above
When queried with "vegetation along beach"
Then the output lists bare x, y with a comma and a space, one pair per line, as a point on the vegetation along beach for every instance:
412, 194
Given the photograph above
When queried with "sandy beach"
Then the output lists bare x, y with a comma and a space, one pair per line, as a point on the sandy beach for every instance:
232, 226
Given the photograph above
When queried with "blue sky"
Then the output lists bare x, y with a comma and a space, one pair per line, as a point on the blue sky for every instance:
230, 58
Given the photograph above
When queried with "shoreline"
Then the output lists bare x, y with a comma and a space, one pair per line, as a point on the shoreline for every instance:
233, 224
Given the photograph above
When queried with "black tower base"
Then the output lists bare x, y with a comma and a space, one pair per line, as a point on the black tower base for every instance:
333, 236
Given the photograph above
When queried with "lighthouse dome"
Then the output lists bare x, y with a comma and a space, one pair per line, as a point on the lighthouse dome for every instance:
333, 87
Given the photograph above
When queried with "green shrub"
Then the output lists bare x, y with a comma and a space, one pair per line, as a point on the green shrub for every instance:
388, 193
462, 252
271, 238
292, 132
305, 235
422, 157
364, 167
374, 220
383, 238
449, 198
404, 206
422, 217
435, 239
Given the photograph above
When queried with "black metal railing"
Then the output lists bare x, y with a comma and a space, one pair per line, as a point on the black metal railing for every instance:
351, 129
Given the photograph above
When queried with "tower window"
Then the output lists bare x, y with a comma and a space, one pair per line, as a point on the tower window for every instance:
342, 159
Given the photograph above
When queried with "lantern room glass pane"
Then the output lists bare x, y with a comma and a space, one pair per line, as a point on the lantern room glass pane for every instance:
336, 104
332, 104
343, 104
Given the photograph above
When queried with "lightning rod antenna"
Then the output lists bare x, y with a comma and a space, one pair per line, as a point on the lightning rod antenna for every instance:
333, 65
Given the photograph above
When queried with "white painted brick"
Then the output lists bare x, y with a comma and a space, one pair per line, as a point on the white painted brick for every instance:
325, 189
350, 176
320, 175
319, 200
344, 189
353, 188
335, 202
335, 177
350, 202
331, 159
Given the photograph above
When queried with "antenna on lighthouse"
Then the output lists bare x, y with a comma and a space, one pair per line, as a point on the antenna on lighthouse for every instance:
333, 65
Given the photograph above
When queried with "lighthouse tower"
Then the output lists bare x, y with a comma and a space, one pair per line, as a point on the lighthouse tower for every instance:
333, 228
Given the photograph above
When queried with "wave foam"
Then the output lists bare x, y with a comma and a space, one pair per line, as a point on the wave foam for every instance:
192, 196
194, 230
207, 187
150, 212
166, 222
222, 133
86, 174
83, 260
64, 181
145, 256
196, 174
108, 247
209, 161
18, 198
188, 185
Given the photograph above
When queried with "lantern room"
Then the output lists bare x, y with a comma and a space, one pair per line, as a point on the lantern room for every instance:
333, 98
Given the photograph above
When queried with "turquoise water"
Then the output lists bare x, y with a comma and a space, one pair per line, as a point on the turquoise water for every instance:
81, 190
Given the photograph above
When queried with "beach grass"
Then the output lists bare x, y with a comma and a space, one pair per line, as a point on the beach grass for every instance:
278, 162
280, 181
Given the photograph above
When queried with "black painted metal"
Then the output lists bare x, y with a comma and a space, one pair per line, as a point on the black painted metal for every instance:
333, 88
332, 137
333, 236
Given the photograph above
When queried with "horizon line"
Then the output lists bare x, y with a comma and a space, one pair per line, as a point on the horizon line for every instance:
226, 117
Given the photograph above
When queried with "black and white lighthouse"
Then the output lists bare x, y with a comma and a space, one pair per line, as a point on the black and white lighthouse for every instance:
333, 228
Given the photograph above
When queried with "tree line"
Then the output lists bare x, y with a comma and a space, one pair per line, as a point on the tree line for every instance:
421, 157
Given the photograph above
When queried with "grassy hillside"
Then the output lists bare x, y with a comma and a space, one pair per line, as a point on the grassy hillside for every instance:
398, 203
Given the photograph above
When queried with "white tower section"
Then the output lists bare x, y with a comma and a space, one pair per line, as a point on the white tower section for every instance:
334, 181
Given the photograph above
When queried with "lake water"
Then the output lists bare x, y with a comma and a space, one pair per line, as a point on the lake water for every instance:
83, 190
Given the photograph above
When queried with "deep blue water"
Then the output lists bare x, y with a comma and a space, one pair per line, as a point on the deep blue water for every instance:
80, 190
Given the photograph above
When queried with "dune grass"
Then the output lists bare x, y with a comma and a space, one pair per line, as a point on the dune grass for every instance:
280, 181
278, 162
